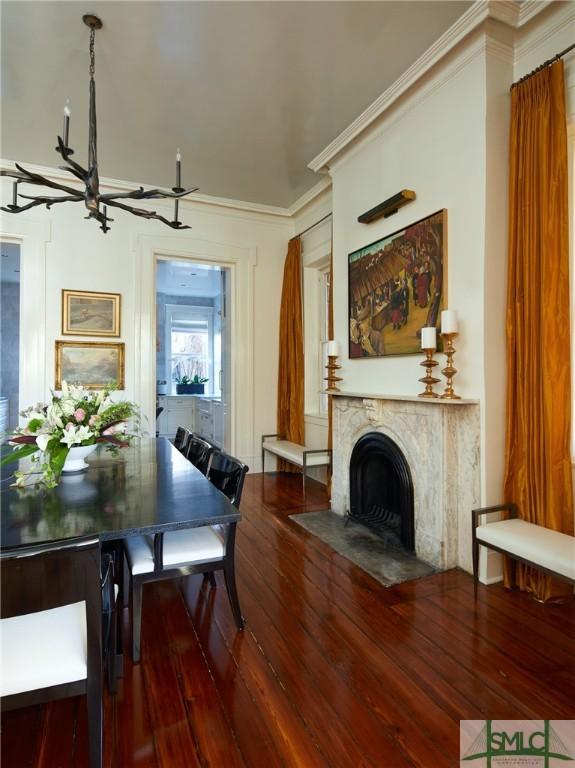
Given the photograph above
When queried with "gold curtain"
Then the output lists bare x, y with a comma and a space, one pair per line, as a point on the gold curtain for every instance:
538, 465
290, 413
330, 336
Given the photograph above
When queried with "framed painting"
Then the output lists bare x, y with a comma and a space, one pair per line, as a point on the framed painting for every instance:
94, 364
88, 313
397, 286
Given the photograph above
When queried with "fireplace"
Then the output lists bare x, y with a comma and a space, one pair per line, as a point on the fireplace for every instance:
381, 489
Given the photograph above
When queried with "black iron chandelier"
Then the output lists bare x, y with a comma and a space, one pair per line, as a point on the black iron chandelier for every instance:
96, 203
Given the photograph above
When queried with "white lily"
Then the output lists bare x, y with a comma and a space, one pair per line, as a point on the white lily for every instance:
76, 435
42, 441
54, 416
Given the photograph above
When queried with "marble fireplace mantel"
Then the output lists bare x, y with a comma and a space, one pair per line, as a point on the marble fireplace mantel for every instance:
441, 441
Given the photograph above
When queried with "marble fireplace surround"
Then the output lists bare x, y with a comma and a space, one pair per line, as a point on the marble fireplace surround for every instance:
441, 441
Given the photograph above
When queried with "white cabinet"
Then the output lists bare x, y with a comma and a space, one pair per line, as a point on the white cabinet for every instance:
203, 415
179, 411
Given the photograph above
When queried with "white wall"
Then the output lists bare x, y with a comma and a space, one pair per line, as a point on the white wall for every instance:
76, 254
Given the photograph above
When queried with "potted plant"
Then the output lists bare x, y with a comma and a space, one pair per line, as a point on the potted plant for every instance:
190, 386
59, 435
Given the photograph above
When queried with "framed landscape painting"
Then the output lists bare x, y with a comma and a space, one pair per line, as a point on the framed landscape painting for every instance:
88, 313
397, 286
94, 364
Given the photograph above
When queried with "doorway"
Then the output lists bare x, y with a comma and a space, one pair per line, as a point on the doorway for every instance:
193, 349
10, 336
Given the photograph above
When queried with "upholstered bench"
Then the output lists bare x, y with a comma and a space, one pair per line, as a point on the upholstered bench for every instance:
299, 455
549, 551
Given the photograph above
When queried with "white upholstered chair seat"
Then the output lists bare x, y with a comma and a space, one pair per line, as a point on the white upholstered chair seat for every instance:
184, 547
294, 453
42, 649
550, 549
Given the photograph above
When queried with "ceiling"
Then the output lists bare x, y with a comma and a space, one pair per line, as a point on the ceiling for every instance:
250, 91
184, 278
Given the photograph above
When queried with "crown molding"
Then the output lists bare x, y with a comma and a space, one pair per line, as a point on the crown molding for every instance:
57, 174
309, 196
531, 8
504, 11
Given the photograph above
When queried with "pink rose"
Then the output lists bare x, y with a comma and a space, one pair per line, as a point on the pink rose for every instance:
79, 414
69, 426
92, 421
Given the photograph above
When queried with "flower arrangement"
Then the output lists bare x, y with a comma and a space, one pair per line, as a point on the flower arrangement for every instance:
77, 417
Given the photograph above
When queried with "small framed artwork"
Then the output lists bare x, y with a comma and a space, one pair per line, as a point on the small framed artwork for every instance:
88, 313
94, 364
397, 286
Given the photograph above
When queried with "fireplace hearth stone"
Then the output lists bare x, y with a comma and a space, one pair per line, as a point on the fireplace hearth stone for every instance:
388, 564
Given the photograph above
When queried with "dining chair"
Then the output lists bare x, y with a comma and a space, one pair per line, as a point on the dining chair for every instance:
199, 452
227, 474
51, 626
188, 551
181, 438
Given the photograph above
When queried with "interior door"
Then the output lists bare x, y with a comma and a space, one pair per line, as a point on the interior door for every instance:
226, 359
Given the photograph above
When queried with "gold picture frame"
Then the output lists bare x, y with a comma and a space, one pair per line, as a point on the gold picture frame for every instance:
90, 313
94, 364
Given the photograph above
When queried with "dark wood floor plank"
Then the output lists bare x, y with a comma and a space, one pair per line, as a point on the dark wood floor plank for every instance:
527, 695
332, 669
212, 733
421, 666
292, 739
57, 744
503, 607
22, 736
251, 731
323, 694
370, 662
172, 734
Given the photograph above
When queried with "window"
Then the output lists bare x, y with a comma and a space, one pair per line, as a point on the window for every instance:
189, 343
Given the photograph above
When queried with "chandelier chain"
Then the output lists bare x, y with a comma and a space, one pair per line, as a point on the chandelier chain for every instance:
92, 54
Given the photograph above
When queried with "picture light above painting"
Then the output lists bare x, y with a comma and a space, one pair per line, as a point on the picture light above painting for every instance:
397, 286
90, 313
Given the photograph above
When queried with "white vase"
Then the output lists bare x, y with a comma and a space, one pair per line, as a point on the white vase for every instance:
75, 458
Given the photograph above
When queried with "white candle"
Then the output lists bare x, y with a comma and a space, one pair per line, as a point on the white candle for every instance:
449, 321
178, 170
332, 348
66, 131
428, 338
178, 156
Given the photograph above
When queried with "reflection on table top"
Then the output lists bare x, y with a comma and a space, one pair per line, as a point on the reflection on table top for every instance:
147, 488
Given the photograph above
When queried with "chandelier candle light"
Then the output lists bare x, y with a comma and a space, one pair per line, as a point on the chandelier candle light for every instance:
332, 366
428, 345
449, 330
93, 199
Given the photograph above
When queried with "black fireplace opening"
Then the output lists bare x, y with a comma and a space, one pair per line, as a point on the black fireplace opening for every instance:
381, 490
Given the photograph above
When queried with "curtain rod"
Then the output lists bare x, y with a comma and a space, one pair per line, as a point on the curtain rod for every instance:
300, 234
545, 64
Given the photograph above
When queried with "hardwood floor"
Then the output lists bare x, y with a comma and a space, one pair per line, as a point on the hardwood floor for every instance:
332, 669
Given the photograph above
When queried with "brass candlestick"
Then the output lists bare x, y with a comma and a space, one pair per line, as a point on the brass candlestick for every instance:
332, 378
449, 371
429, 364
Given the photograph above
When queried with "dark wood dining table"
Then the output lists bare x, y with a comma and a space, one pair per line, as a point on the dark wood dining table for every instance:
146, 489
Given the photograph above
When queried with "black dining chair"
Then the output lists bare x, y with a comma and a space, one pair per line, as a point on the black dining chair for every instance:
227, 474
181, 438
51, 625
199, 452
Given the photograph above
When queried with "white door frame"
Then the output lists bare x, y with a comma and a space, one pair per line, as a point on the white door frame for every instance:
33, 238
241, 261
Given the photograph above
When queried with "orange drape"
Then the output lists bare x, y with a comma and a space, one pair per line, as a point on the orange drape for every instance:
538, 466
290, 413
330, 336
